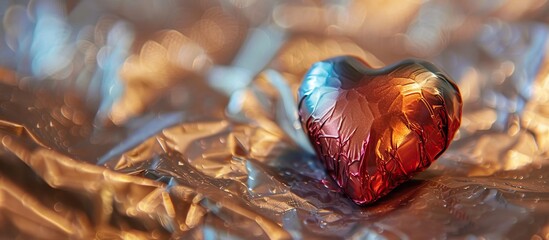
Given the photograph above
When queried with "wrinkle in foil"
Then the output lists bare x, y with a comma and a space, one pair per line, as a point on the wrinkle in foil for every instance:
178, 119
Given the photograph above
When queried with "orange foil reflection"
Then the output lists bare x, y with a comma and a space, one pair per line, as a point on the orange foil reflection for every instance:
158, 65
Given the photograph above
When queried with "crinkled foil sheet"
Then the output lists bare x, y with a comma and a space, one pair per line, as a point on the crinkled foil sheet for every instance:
177, 119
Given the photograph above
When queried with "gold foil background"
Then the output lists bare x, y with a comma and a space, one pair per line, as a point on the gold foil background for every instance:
157, 119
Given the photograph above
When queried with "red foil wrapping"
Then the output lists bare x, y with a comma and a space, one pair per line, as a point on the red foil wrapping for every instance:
375, 129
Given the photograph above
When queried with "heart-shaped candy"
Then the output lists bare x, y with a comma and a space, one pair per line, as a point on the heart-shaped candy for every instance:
375, 129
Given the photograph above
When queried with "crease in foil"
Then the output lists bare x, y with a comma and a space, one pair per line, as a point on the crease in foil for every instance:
178, 120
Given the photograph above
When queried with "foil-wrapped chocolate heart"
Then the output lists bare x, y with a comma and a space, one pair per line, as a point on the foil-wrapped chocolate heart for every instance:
375, 129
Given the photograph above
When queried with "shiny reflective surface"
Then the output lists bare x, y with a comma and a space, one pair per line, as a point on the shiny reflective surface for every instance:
178, 119
375, 129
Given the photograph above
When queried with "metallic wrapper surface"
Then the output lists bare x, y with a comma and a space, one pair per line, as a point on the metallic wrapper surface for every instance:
179, 119
374, 129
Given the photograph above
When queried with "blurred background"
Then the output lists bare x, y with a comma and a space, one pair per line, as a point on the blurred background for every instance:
156, 119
